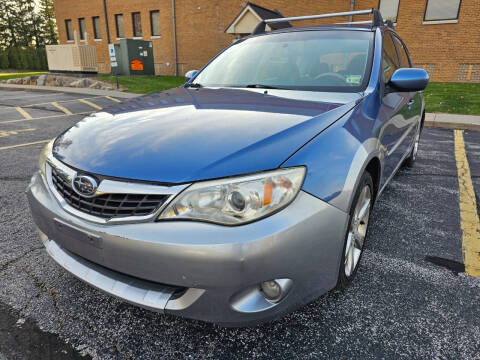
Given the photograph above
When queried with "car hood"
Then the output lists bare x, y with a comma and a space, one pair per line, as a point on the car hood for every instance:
184, 135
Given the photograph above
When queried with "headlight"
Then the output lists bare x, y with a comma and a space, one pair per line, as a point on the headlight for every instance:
236, 200
46, 151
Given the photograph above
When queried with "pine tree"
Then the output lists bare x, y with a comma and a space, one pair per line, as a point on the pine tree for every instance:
9, 23
48, 26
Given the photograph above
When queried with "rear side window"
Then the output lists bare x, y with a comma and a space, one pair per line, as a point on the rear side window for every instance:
402, 53
390, 61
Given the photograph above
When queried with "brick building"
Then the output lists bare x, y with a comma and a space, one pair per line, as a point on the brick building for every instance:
443, 36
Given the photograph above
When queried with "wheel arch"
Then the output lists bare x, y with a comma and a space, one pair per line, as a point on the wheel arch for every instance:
374, 168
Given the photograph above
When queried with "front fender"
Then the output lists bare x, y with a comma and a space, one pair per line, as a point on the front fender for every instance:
336, 158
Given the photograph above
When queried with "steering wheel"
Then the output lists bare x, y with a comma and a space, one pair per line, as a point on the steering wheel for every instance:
337, 78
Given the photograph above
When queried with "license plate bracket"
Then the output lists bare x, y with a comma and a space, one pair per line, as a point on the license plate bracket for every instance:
71, 236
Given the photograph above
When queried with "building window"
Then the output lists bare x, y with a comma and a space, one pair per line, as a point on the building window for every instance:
438, 10
82, 28
389, 9
68, 27
155, 22
119, 26
97, 29
137, 24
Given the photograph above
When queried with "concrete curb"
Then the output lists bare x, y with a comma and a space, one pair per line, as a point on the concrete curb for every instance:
452, 121
85, 91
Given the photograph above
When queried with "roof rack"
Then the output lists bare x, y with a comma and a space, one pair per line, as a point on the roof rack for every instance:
376, 21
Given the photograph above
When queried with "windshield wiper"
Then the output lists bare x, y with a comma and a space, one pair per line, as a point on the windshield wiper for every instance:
262, 86
194, 85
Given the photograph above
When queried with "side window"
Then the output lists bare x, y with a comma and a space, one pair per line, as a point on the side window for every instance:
390, 61
402, 52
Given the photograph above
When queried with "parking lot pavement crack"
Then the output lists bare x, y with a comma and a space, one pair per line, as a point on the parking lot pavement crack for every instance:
18, 258
66, 314
21, 212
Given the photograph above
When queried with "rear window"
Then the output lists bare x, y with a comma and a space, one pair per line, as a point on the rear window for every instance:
308, 60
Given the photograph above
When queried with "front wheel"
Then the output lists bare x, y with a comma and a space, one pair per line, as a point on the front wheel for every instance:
357, 231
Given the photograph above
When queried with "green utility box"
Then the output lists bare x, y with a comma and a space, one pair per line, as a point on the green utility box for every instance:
134, 57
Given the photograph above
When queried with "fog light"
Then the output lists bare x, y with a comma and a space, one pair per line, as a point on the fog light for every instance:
272, 290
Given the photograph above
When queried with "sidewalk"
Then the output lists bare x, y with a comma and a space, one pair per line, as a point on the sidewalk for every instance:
434, 120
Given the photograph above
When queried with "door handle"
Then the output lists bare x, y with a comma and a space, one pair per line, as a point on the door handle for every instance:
410, 103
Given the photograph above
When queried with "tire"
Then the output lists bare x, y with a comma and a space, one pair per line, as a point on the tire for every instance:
410, 160
356, 231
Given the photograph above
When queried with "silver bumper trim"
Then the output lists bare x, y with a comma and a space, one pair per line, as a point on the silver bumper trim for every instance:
148, 295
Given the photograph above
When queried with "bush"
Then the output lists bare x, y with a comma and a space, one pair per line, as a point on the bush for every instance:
13, 58
24, 59
42, 58
3, 59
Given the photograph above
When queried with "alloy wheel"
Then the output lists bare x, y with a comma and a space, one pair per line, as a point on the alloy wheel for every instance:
358, 230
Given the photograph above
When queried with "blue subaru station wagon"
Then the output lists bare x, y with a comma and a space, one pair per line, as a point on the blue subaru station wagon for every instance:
246, 192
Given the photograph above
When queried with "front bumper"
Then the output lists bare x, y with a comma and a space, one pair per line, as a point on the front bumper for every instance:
199, 270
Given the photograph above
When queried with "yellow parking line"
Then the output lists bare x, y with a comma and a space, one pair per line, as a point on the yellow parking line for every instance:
5, 133
60, 107
468, 210
43, 117
113, 99
23, 113
90, 104
61, 101
20, 145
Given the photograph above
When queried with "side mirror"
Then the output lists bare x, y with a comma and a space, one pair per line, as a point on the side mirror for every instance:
190, 74
409, 79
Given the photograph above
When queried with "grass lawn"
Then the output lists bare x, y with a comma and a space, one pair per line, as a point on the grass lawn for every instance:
144, 84
14, 75
454, 98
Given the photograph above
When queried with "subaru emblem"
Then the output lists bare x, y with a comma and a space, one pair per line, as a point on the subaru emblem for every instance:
84, 185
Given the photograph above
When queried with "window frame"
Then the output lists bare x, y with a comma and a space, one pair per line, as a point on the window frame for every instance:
116, 16
135, 35
395, 36
398, 8
82, 33
97, 36
390, 34
69, 32
151, 23
434, 20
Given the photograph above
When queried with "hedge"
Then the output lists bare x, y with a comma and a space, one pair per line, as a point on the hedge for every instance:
23, 58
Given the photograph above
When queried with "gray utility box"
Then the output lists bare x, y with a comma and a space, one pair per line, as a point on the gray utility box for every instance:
134, 57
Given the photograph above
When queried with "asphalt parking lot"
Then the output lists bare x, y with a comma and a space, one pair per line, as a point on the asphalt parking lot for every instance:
400, 306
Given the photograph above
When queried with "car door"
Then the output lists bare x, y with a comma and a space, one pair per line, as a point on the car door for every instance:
413, 112
394, 112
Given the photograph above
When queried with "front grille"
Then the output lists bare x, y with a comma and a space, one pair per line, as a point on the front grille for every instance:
108, 206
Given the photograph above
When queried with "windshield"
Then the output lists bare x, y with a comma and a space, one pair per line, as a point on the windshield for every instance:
307, 60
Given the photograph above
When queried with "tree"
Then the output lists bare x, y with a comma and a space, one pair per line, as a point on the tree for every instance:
22, 24
48, 26
9, 23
